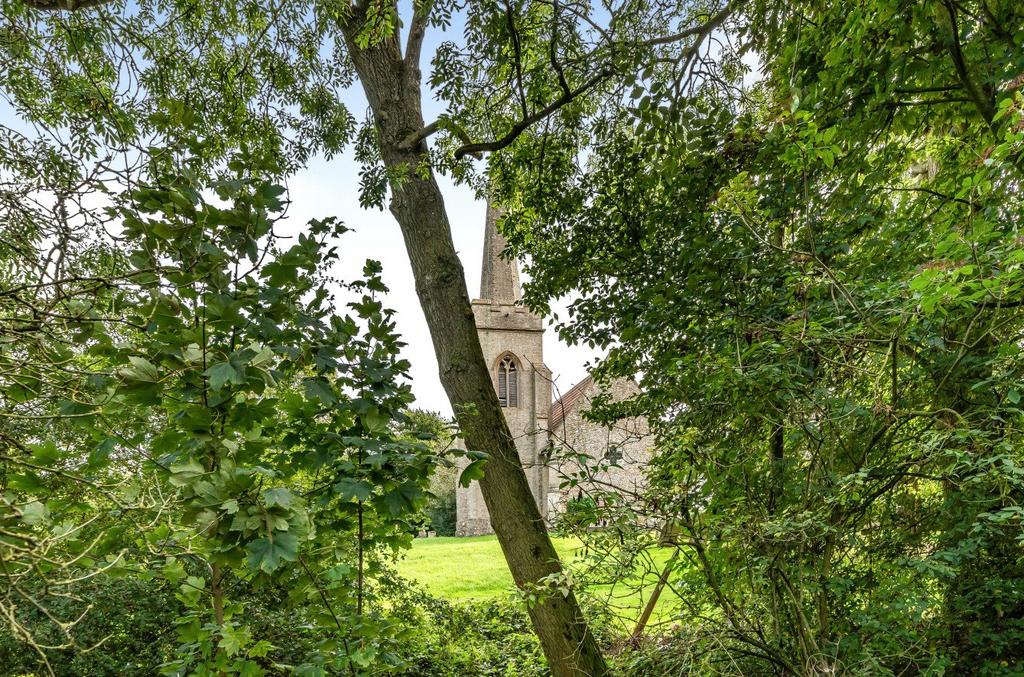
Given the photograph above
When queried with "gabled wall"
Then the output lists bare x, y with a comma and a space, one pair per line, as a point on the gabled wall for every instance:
573, 433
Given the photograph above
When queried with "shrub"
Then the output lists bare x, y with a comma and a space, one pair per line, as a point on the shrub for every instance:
128, 631
441, 513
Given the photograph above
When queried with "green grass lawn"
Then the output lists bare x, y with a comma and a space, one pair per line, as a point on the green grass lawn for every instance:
474, 569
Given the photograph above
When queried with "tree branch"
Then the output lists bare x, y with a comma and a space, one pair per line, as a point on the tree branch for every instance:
417, 31
568, 95
442, 122
525, 123
993, 22
517, 48
64, 5
981, 101
553, 48
701, 30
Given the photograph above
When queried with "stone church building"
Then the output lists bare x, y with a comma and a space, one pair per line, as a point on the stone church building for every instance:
512, 340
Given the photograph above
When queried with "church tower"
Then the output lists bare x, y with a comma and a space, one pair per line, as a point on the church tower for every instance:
512, 339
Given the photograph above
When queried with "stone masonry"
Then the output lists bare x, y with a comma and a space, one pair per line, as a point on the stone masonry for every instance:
627, 443
512, 340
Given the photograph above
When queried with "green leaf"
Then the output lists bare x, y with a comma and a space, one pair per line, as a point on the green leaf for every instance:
142, 370
221, 374
46, 453
22, 391
192, 353
402, 500
262, 357
319, 389
184, 473
191, 591
102, 451
374, 422
260, 649
233, 640
278, 496
34, 513
266, 554
26, 481
349, 488
173, 570
473, 471
245, 522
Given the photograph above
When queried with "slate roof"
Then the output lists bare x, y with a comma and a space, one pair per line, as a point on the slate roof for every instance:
567, 402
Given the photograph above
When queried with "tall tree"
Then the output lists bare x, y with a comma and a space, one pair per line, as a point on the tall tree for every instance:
816, 274
391, 79
245, 75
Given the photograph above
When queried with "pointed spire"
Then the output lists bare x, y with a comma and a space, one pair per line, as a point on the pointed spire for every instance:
499, 276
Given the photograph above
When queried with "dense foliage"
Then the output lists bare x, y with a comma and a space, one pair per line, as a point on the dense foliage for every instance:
439, 433
134, 617
816, 275
187, 409
796, 224
217, 426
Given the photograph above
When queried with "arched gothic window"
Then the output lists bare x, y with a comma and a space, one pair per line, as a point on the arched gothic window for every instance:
508, 382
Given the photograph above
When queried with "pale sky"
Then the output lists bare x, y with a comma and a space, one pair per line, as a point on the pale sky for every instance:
330, 188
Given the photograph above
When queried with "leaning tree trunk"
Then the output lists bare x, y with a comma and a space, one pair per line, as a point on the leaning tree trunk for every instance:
393, 89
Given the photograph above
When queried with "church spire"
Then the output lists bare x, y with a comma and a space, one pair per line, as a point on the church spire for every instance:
499, 276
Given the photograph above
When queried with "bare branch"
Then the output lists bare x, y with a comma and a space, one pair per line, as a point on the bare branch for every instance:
701, 32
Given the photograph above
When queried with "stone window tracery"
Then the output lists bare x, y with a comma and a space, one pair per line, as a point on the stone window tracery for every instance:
508, 382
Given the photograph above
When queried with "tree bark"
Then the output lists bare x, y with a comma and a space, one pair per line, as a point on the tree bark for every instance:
393, 90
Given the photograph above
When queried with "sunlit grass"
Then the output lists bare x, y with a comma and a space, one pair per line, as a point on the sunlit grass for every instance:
474, 568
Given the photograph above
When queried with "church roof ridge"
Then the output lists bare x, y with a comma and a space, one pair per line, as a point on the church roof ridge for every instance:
567, 402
